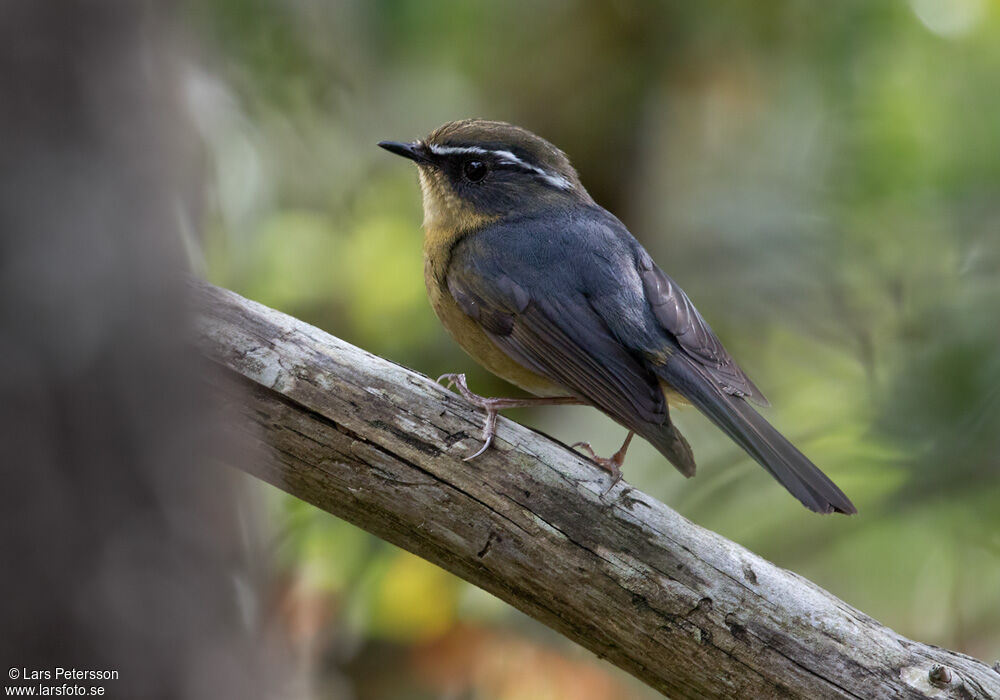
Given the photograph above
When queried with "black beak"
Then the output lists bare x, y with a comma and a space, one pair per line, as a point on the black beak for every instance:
414, 151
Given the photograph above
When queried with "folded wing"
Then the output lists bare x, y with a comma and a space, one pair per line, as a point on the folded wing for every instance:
558, 334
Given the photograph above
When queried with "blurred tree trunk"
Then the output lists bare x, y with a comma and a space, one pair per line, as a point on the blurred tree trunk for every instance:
119, 544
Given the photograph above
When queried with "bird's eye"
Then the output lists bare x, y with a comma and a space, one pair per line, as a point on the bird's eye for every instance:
475, 170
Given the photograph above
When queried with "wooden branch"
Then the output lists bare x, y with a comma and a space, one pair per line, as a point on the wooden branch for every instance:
681, 608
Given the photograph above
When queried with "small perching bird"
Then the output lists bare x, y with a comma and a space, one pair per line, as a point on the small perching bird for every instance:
551, 292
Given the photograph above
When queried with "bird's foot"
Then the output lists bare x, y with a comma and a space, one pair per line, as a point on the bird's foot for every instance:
490, 405
493, 406
612, 464
457, 381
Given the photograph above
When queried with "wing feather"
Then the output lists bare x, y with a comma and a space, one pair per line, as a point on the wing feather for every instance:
565, 341
675, 312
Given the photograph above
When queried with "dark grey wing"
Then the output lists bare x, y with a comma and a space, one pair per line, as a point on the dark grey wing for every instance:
531, 292
553, 330
677, 314
559, 336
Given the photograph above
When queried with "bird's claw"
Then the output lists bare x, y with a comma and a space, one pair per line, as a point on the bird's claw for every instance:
487, 441
612, 465
453, 380
457, 381
493, 406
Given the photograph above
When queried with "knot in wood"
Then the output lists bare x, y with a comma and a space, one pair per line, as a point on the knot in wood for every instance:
940, 675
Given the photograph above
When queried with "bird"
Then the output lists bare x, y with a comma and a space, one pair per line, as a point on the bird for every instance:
551, 292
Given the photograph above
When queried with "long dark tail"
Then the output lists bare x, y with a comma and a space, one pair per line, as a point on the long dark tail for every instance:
749, 430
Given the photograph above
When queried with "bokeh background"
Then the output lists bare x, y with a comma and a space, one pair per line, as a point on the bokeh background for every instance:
822, 178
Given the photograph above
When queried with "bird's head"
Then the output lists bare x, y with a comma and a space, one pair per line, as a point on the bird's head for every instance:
475, 171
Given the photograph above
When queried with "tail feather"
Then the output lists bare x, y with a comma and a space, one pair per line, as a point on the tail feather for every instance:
757, 437
668, 440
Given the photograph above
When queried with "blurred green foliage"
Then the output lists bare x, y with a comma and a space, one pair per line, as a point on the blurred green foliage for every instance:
823, 180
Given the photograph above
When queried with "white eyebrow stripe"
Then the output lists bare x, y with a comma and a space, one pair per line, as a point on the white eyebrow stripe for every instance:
448, 150
554, 180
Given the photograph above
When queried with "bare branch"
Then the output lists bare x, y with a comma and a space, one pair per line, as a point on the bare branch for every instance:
683, 609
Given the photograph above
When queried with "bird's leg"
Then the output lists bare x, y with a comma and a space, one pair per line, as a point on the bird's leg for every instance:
612, 464
493, 406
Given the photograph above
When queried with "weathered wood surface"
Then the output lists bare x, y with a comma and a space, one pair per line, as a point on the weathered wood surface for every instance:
683, 609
